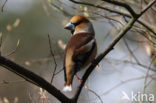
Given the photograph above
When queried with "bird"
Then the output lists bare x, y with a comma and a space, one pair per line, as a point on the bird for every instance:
81, 49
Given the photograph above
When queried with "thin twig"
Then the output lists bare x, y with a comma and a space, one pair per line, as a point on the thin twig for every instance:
147, 74
2, 8
131, 11
130, 62
1, 40
59, 8
45, 7
130, 51
4, 82
147, 7
94, 93
124, 82
52, 54
100, 7
109, 18
13, 51
58, 72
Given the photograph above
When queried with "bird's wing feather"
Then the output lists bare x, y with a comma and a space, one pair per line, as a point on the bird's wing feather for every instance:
80, 51
84, 48
83, 43
83, 51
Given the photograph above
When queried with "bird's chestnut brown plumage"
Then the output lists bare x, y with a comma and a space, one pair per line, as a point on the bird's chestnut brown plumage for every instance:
81, 48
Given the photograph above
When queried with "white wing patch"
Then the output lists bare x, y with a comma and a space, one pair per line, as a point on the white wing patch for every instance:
89, 45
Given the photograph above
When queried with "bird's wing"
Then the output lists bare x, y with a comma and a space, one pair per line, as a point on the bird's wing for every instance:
84, 48
84, 43
83, 51
79, 48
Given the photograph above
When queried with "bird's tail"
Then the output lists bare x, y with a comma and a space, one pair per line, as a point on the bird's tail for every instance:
66, 87
68, 81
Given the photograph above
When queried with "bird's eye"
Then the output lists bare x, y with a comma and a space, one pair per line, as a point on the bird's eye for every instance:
76, 24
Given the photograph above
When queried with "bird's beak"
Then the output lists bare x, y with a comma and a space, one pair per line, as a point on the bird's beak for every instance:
69, 26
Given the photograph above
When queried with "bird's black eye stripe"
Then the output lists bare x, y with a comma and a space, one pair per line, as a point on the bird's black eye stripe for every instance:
75, 24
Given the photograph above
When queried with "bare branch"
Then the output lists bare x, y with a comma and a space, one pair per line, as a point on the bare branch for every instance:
124, 82
131, 52
94, 93
52, 54
147, 7
131, 11
4, 82
102, 55
147, 74
13, 51
58, 71
59, 8
2, 8
109, 18
1, 40
39, 81
147, 26
130, 62
100, 7
33, 78
108, 49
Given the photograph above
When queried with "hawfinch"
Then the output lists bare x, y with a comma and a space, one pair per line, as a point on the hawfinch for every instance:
81, 48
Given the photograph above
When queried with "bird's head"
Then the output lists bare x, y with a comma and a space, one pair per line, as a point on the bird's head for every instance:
79, 24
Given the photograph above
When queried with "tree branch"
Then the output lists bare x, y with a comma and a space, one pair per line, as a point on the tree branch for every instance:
124, 82
39, 81
144, 24
2, 8
102, 55
108, 49
1, 40
147, 7
131, 11
53, 56
32, 77
100, 7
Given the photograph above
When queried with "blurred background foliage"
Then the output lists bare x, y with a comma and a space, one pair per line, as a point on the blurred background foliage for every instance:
25, 25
